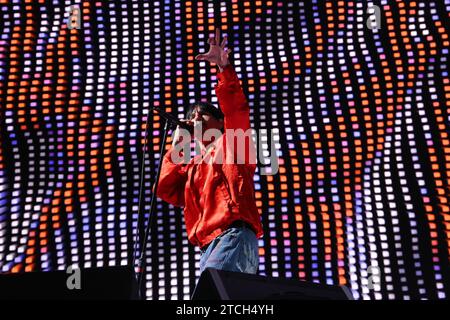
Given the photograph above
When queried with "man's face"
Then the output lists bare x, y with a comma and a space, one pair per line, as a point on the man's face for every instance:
206, 120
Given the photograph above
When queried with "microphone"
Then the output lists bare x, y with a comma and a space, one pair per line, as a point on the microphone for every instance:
173, 119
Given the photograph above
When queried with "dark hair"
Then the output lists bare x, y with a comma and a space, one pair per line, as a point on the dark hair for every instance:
205, 107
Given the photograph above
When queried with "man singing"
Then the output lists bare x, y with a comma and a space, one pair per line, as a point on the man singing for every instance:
217, 194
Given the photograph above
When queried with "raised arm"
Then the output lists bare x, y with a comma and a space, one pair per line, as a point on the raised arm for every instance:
232, 100
233, 104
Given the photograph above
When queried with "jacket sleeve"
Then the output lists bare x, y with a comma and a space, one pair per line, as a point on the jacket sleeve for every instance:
172, 181
232, 100
235, 108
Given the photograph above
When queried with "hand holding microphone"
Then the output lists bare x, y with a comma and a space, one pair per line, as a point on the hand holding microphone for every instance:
177, 138
173, 120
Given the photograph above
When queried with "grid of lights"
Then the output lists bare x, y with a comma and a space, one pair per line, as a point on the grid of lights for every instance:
360, 117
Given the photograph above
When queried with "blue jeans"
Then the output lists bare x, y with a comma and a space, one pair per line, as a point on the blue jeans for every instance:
235, 249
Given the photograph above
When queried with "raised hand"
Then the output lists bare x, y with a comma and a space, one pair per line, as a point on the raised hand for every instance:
217, 53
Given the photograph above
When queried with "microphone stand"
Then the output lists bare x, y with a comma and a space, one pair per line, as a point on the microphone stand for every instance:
170, 122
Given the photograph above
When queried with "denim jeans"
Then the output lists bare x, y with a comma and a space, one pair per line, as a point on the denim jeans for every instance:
235, 249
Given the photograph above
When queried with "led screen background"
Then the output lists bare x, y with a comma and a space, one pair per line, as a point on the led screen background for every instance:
360, 116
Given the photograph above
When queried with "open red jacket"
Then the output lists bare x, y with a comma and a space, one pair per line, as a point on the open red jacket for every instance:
215, 193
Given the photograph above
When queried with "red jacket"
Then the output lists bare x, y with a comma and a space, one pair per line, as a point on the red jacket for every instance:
214, 195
